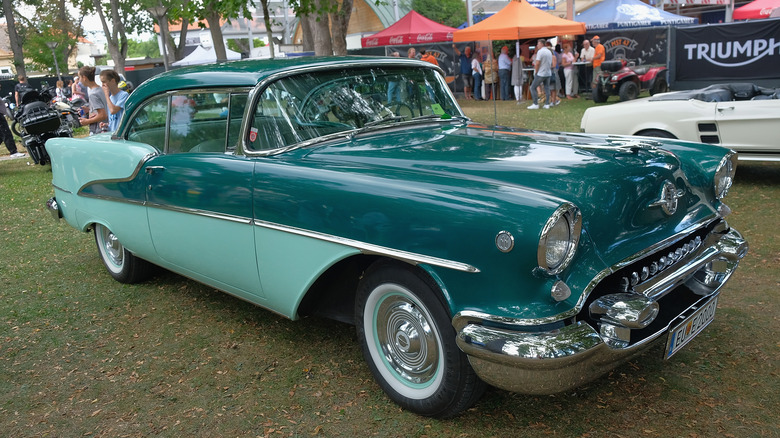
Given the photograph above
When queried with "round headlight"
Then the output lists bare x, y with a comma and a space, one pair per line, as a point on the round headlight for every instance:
559, 239
724, 175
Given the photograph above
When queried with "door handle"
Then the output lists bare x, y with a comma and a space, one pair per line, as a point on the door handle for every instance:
154, 169
724, 108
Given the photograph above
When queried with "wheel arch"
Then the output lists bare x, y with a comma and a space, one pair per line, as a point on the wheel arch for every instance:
645, 130
332, 295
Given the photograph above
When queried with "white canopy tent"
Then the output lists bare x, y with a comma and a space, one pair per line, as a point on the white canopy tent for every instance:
204, 55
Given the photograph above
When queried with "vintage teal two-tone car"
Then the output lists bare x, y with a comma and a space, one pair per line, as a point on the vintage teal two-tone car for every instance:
356, 189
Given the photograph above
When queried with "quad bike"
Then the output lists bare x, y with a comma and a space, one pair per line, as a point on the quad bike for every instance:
618, 77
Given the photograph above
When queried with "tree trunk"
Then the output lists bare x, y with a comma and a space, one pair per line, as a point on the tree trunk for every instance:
307, 31
212, 17
268, 32
13, 38
323, 46
339, 24
116, 40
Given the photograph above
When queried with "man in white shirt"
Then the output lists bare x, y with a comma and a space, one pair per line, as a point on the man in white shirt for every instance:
586, 55
542, 73
504, 72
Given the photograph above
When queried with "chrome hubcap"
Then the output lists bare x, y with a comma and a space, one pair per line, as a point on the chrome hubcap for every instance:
112, 247
407, 339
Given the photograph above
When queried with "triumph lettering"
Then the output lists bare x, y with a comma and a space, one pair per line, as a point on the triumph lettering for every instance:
733, 53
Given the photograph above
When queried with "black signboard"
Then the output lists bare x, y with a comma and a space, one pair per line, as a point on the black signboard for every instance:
642, 46
733, 52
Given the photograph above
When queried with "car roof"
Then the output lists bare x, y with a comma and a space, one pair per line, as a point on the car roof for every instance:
248, 73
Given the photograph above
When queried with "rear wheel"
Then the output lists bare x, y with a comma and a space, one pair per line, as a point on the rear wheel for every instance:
656, 133
629, 90
121, 263
660, 86
409, 343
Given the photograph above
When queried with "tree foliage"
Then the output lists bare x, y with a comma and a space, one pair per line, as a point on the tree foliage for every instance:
143, 49
448, 12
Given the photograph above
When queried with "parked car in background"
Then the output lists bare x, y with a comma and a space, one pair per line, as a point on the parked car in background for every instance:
464, 254
741, 116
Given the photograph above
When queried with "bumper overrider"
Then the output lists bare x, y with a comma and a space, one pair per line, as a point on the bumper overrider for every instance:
631, 307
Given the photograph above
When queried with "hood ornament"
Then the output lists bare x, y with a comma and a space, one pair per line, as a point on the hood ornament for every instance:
669, 196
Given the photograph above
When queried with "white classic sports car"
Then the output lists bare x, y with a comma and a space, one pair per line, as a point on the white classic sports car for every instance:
743, 117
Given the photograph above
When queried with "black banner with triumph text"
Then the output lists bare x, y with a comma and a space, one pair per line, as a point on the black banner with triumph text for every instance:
732, 52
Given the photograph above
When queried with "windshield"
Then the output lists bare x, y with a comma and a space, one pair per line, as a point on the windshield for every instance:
307, 106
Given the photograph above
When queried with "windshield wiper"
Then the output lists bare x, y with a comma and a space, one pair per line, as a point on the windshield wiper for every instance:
391, 118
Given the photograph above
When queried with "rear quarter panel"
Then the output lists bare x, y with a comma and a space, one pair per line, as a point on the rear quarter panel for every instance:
78, 162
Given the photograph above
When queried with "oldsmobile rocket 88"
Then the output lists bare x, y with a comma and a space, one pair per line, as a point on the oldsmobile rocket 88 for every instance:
356, 189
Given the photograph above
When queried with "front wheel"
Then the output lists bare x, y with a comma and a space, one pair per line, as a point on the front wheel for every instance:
598, 95
121, 263
409, 343
628, 91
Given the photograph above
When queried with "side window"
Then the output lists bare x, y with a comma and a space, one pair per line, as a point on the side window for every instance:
148, 124
198, 123
235, 117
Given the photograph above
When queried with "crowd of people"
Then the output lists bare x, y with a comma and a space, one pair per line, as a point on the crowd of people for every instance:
554, 72
101, 106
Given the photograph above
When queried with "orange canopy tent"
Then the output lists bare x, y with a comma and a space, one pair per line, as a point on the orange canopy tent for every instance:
519, 20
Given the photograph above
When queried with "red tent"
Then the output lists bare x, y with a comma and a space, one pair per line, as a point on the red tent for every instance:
412, 28
756, 9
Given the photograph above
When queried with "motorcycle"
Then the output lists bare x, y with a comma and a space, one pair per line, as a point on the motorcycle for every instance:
39, 118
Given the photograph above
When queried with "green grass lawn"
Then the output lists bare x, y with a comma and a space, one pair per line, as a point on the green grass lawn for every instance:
82, 355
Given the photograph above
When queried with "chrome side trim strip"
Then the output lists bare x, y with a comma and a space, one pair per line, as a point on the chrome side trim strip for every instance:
131, 177
204, 213
368, 248
56, 187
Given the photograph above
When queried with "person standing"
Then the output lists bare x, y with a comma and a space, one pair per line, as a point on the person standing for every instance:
599, 54
504, 72
412, 53
21, 88
77, 89
97, 101
5, 132
115, 98
466, 75
555, 81
569, 72
428, 57
586, 55
476, 73
518, 77
542, 73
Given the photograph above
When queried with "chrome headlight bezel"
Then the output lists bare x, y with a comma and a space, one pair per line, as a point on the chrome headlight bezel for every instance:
724, 175
566, 218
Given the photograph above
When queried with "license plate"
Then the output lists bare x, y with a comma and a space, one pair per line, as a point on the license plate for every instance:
680, 335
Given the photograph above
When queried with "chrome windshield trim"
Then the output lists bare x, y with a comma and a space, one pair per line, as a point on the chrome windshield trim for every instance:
368, 248
257, 91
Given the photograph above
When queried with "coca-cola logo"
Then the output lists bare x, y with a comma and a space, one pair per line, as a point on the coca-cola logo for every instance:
450, 36
372, 42
425, 37
397, 39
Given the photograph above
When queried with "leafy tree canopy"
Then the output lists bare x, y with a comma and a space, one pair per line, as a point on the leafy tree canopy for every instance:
448, 12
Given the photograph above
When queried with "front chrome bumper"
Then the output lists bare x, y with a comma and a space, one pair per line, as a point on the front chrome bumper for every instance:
551, 361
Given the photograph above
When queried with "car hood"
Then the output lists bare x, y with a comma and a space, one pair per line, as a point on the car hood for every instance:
617, 182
